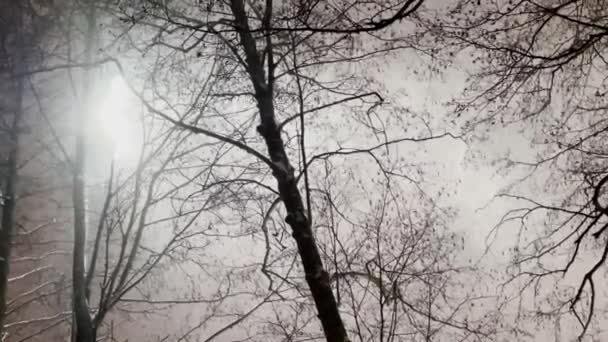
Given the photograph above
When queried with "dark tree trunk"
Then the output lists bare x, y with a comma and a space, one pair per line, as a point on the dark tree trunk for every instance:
8, 202
84, 331
82, 326
316, 276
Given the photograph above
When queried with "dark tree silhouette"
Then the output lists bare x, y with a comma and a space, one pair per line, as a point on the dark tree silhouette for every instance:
257, 43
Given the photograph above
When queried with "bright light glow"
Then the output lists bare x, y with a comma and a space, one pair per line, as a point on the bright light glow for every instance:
116, 124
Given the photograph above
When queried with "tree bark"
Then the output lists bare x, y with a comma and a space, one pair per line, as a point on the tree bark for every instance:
84, 331
83, 323
316, 276
8, 201
8, 198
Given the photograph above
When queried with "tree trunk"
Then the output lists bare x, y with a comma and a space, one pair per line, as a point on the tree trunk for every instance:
8, 201
8, 198
316, 276
84, 329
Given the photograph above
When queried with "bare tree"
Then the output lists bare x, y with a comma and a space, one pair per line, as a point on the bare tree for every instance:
24, 26
84, 330
113, 262
215, 69
540, 67
10, 122
395, 273
219, 83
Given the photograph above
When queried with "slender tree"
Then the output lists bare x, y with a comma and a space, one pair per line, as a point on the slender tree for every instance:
84, 330
22, 29
11, 115
262, 56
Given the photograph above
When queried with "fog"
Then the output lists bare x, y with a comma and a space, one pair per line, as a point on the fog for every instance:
297, 171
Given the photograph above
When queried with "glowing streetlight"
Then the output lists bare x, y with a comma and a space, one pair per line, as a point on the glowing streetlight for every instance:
114, 119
